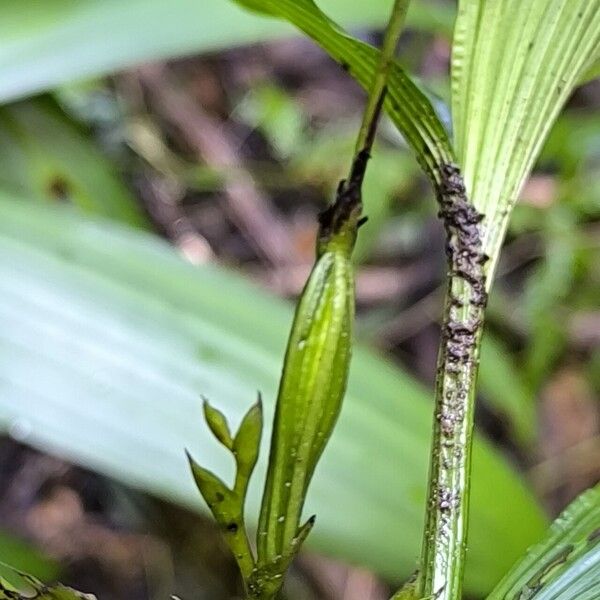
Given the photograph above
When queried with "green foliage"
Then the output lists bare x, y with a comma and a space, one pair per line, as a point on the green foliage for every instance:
503, 103
313, 383
506, 390
322, 160
217, 423
23, 557
566, 564
271, 109
592, 72
408, 106
26, 587
101, 314
547, 288
562, 283
225, 503
116, 317
43, 44
43, 154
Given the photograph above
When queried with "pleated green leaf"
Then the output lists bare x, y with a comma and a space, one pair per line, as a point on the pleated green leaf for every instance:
566, 565
409, 108
109, 341
43, 44
514, 66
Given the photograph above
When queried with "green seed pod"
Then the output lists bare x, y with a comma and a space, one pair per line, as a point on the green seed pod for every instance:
313, 382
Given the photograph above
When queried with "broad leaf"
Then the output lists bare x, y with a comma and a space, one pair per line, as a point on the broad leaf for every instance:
566, 565
43, 44
109, 340
514, 66
409, 108
42, 153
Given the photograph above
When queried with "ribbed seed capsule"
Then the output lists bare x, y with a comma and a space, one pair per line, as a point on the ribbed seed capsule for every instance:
312, 385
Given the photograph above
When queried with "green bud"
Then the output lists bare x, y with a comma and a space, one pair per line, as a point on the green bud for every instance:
246, 444
218, 425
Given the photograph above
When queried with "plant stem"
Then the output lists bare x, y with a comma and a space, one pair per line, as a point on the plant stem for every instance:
366, 135
278, 535
350, 191
443, 550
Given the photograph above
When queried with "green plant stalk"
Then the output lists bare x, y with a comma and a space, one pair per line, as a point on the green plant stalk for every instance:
386, 59
227, 504
443, 549
318, 353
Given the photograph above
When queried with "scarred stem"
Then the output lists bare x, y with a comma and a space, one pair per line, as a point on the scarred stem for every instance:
349, 193
443, 550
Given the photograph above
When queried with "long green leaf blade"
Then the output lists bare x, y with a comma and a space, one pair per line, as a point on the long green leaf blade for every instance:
43, 44
514, 66
566, 565
109, 340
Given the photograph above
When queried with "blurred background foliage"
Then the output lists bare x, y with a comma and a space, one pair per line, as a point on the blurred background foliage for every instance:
228, 152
